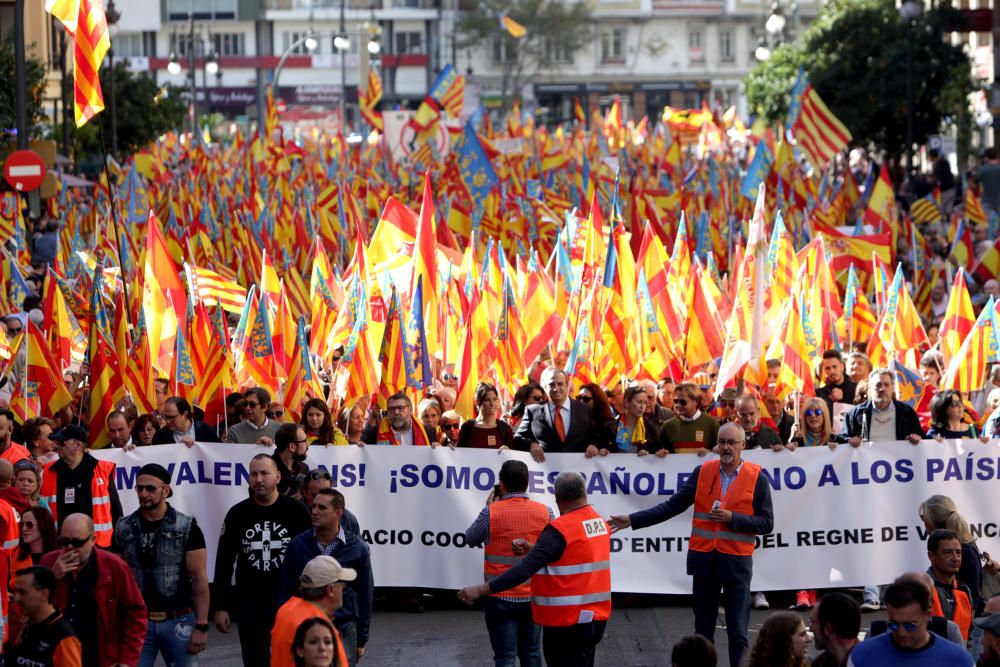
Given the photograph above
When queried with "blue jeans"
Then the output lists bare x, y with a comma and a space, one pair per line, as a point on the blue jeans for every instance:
513, 633
171, 638
735, 596
349, 638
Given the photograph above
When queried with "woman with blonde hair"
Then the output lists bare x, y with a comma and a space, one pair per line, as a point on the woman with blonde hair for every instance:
813, 427
941, 512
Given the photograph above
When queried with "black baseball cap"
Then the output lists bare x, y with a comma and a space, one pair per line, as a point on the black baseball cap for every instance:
71, 432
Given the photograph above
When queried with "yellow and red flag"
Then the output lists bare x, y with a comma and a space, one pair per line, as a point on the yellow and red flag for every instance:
967, 370
44, 391
958, 319
85, 22
162, 293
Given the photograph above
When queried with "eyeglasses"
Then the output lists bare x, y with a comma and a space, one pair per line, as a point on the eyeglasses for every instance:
584, 399
813, 412
909, 627
166, 416
148, 488
449, 377
275, 414
74, 542
252, 405
727, 443
301, 442
27, 524
449, 426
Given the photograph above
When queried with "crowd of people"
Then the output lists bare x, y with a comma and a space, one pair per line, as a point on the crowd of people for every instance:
91, 586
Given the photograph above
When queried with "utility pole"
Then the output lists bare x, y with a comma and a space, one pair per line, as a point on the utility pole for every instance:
343, 69
20, 77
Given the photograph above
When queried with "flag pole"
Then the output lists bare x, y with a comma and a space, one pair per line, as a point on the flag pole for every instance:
113, 196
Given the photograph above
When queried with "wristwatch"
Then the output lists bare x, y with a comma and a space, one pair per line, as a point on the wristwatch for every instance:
201, 627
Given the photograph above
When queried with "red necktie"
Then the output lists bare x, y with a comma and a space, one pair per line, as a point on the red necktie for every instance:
560, 427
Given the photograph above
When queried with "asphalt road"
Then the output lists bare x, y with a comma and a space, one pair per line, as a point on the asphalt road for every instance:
641, 633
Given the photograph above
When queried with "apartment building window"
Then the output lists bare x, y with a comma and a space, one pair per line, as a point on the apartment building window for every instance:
129, 45
613, 45
727, 52
500, 55
557, 53
696, 50
290, 37
202, 9
229, 43
408, 41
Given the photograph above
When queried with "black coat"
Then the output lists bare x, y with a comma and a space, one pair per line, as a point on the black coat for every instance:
202, 433
537, 426
858, 421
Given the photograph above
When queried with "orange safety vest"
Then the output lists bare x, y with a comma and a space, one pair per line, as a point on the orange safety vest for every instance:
708, 535
963, 610
510, 519
580, 581
12, 525
100, 498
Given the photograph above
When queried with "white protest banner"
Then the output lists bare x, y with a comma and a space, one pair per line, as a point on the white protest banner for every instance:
842, 518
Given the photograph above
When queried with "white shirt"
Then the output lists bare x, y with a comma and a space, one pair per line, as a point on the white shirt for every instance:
884, 430
404, 437
688, 419
564, 410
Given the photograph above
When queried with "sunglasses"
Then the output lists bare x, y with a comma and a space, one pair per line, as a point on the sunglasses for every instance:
584, 399
148, 488
27, 524
319, 473
813, 412
449, 377
449, 426
538, 399
252, 405
14, 332
275, 414
909, 627
74, 542
680, 401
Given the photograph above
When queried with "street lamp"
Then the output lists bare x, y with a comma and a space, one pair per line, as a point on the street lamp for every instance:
374, 45
174, 66
212, 64
910, 11
311, 43
112, 15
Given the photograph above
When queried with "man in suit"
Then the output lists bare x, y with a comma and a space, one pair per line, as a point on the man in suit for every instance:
181, 425
732, 504
560, 425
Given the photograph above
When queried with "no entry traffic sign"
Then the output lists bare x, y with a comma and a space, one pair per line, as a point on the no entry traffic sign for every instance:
24, 170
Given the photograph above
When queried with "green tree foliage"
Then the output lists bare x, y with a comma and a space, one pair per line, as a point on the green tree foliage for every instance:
554, 30
35, 71
855, 55
144, 111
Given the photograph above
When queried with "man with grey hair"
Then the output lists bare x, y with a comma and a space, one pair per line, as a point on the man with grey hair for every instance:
560, 425
573, 610
881, 417
655, 413
732, 505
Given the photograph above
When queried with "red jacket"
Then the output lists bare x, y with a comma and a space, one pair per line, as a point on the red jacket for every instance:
121, 611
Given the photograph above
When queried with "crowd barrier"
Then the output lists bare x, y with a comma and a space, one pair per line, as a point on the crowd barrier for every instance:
842, 518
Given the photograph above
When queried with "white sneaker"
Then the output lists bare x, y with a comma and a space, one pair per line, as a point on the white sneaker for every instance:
870, 605
759, 601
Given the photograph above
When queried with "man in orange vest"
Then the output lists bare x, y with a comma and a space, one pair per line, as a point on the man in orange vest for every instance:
508, 516
732, 504
949, 597
79, 483
570, 571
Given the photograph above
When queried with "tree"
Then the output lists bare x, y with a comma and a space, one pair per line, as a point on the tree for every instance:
555, 30
35, 74
855, 55
144, 111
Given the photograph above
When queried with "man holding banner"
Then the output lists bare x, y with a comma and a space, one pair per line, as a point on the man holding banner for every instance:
732, 504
